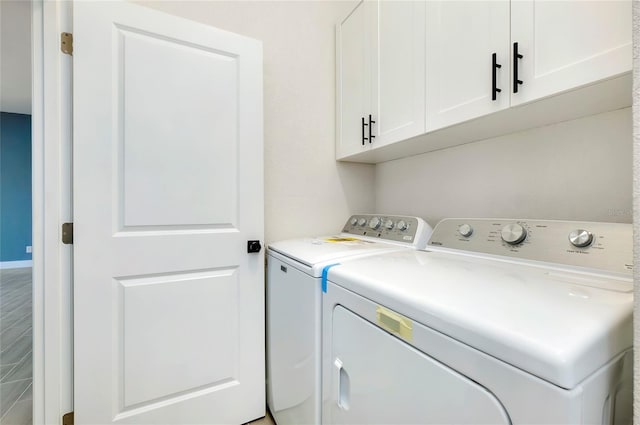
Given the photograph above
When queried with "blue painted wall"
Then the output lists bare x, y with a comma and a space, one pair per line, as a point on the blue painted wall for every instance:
15, 186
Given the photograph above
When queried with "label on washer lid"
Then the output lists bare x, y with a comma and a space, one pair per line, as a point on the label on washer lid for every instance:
341, 239
394, 323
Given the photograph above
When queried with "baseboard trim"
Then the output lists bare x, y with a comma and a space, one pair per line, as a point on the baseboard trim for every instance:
15, 264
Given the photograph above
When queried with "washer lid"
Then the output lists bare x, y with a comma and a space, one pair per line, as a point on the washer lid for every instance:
553, 323
317, 252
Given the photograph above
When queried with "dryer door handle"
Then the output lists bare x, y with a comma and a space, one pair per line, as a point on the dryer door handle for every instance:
342, 385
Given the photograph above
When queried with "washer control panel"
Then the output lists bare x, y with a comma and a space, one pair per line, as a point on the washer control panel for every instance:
407, 230
601, 246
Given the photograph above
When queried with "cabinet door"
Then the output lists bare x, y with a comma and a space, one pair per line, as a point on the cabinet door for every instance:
567, 44
462, 37
398, 70
353, 82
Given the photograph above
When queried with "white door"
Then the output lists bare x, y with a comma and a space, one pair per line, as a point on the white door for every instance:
397, 71
168, 189
462, 38
566, 44
353, 81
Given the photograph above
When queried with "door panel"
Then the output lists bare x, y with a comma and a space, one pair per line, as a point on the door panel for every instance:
161, 132
566, 44
168, 305
147, 330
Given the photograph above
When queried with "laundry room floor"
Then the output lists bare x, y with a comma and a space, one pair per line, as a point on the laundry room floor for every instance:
15, 347
267, 420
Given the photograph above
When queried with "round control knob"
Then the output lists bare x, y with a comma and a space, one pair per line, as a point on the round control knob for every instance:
580, 238
513, 233
353, 221
465, 230
389, 224
374, 223
362, 221
401, 225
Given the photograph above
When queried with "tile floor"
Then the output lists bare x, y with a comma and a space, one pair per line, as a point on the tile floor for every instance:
15, 347
267, 420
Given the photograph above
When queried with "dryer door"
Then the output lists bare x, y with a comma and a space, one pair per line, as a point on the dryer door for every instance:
379, 379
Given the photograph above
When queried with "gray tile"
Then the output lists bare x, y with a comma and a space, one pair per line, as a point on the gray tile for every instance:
10, 393
16, 369
28, 394
9, 336
23, 370
8, 319
18, 316
4, 369
20, 413
17, 351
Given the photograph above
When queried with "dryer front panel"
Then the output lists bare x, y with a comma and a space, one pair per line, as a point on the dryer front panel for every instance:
376, 378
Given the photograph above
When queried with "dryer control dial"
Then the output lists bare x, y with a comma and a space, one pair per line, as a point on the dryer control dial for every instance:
401, 225
353, 221
580, 238
513, 233
389, 224
374, 223
465, 230
362, 221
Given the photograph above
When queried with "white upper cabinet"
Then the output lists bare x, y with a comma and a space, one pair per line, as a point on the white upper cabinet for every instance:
398, 71
468, 60
567, 44
433, 68
380, 75
353, 82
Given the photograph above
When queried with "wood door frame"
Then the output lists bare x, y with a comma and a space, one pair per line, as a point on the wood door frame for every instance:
52, 205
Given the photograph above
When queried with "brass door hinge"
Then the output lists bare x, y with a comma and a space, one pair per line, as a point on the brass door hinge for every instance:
67, 233
66, 43
67, 418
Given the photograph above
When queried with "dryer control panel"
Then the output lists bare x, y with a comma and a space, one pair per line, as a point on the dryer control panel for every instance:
593, 245
408, 230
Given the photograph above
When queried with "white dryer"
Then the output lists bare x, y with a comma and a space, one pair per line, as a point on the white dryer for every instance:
499, 322
294, 298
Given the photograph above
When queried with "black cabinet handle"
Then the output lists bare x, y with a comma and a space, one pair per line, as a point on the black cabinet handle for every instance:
494, 77
516, 56
363, 126
371, 122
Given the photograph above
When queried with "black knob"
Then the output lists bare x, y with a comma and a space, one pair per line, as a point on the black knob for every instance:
253, 246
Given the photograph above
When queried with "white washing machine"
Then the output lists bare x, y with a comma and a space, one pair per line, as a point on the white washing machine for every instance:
499, 322
294, 296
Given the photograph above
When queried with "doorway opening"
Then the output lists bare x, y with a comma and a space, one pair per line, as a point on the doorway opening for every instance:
16, 283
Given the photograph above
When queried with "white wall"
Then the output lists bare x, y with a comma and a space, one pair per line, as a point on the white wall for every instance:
576, 170
306, 191
15, 56
636, 208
